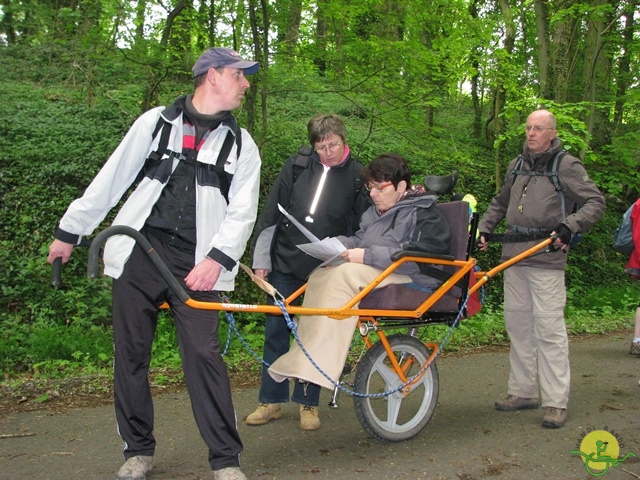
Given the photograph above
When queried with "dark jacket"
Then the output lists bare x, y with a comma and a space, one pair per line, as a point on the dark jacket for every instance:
340, 204
532, 202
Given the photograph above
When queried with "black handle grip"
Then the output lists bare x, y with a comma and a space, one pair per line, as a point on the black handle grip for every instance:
56, 272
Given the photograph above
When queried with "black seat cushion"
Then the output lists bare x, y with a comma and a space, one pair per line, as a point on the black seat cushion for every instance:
399, 297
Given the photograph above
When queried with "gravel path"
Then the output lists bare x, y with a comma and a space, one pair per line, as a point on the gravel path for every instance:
466, 438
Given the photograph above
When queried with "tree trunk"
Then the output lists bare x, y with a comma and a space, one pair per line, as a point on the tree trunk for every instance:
260, 53
293, 27
542, 29
475, 78
6, 24
597, 74
250, 100
624, 70
264, 90
141, 7
170, 19
565, 36
207, 16
321, 38
500, 91
211, 23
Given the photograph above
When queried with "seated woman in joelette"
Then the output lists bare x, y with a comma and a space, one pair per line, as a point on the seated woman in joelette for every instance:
402, 217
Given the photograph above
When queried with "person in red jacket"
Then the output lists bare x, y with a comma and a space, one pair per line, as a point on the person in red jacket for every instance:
633, 268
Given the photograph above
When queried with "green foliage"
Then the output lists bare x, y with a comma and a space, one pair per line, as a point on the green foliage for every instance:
600, 310
165, 352
54, 350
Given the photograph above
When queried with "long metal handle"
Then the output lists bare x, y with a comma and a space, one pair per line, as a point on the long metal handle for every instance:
101, 238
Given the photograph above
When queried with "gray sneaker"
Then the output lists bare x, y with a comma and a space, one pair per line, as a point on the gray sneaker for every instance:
555, 417
229, 473
635, 349
136, 468
513, 402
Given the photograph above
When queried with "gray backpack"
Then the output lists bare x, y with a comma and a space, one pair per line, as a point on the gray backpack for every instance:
623, 237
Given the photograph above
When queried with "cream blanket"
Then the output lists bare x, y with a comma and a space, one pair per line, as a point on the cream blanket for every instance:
327, 340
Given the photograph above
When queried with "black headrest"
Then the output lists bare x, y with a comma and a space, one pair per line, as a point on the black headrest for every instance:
441, 185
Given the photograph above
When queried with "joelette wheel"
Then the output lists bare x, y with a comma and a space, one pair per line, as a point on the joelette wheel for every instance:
395, 417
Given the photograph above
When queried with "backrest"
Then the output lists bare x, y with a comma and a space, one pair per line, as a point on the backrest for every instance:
457, 214
400, 297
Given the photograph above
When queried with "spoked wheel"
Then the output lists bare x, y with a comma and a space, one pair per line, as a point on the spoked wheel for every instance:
398, 416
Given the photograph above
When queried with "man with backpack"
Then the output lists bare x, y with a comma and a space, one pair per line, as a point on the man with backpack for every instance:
196, 202
534, 288
320, 187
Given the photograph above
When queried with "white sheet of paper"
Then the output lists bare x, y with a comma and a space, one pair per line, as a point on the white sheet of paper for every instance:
325, 249
328, 249
305, 231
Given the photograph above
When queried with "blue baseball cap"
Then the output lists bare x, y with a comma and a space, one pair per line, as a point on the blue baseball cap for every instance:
223, 57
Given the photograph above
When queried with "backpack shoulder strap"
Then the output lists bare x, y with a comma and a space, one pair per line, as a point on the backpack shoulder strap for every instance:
517, 169
224, 179
553, 175
301, 161
553, 172
303, 157
552, 169
164, 139
154, 157
357, 174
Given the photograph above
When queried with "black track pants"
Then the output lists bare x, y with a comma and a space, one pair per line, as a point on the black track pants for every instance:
136, 297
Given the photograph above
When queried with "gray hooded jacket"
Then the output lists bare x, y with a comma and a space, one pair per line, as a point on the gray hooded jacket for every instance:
414, 223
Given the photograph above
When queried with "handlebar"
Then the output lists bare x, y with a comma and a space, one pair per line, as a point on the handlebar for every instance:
101, 238
345, 311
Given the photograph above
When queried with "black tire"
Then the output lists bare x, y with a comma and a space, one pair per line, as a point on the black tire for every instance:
395, 417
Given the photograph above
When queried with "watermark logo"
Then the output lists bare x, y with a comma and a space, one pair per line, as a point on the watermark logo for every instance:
600, 450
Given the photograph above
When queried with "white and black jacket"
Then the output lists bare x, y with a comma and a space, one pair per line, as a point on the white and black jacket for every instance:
222, 229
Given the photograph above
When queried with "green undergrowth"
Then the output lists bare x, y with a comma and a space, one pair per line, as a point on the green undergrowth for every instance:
600, 310
74, 351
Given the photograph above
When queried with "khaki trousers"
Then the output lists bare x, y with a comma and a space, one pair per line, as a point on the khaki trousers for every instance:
534, 301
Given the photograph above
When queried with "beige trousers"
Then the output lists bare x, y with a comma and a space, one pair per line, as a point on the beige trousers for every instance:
534, 301
327, 340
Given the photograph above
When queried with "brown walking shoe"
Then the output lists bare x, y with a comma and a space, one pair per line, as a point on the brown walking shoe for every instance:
555, 417
309, 419
513, 402
264, 414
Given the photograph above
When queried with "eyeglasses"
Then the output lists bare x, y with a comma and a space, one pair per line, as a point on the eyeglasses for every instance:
536, 128
328, 148
377, 187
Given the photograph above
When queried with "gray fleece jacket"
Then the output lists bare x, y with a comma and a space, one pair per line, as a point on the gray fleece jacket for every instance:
414, 223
